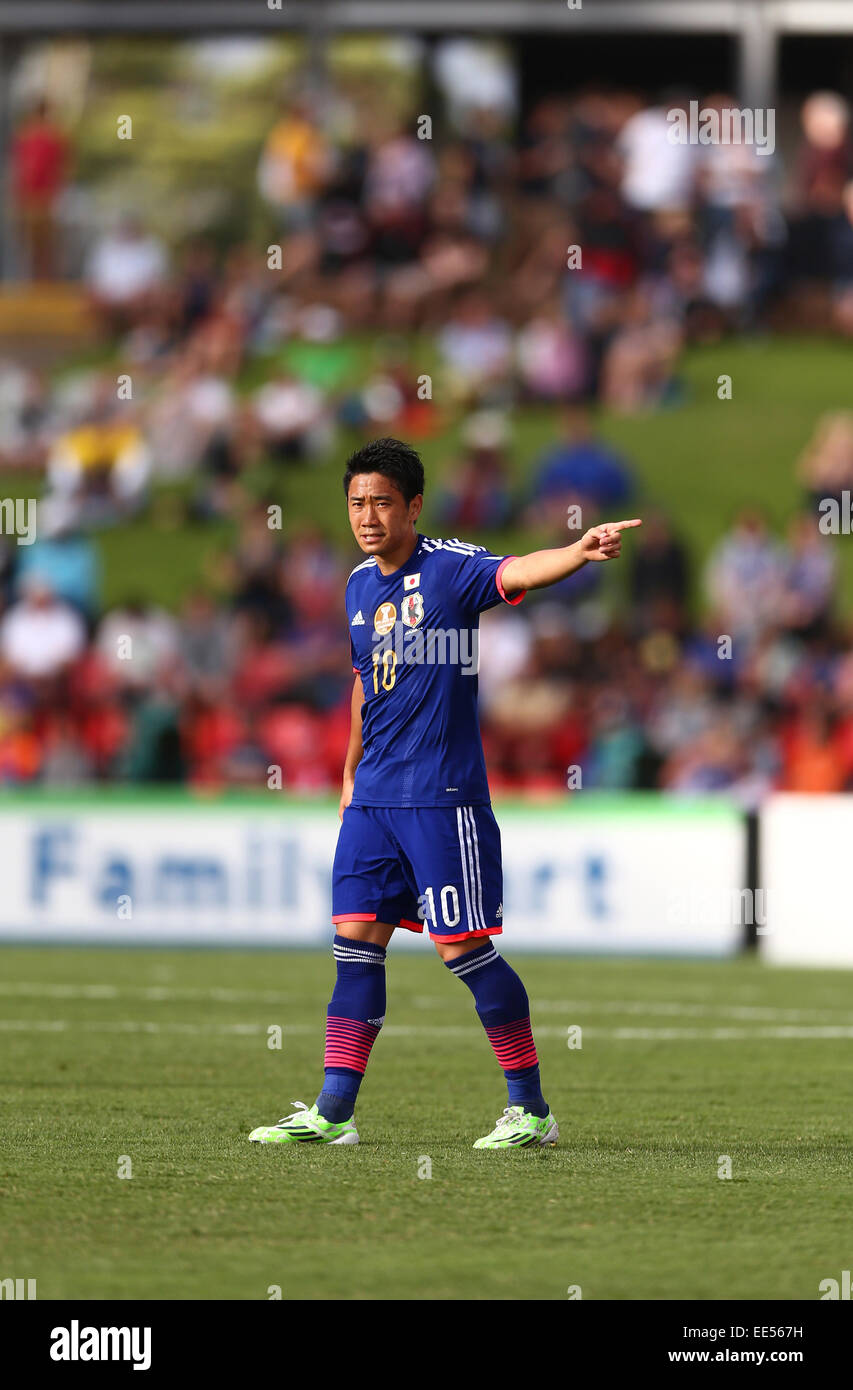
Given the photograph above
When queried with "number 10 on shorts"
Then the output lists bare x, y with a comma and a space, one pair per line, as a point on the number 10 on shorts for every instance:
449, 899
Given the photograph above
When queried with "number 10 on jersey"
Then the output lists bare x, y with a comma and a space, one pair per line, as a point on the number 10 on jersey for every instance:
388, 661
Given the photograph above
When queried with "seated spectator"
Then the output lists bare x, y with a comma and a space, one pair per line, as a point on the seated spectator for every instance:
683, 712
390, 401
312, 576
552, 360
21, 748
825, 467
193, 421
808, 582
658, 172
638, 366
476, 492
289, 416
823, 169
398, 178
40, 636
102, 465
476, 347
215, 741
205, 642
135, 642
154, 751
658, 567
66, 762
579, 470
812, 761
254, 572
745, 576
27, 417
197, 284
63, 557
295, 163
125, 273
616, 744
713, 762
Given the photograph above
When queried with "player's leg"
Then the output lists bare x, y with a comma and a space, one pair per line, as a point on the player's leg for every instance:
462, 902
355, 1014
367, 889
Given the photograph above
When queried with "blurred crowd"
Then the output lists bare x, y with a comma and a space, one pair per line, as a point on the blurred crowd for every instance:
248, 683
412, 285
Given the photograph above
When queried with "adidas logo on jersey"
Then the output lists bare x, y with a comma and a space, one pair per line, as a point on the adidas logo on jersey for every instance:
358, 620
500, 911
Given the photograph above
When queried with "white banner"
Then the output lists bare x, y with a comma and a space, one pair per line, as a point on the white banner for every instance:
806, 845
611, 876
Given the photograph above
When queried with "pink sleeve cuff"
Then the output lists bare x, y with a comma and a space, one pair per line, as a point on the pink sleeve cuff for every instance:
501, 567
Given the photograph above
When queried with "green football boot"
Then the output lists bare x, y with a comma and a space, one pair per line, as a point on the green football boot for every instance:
518, 1129
305, 1126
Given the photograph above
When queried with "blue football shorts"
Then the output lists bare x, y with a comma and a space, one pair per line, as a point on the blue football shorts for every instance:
438, 866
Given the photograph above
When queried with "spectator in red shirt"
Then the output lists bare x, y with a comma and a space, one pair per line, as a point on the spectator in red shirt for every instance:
40, 156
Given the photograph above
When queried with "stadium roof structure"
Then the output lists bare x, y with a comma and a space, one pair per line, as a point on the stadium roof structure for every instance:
498, 16
755, 25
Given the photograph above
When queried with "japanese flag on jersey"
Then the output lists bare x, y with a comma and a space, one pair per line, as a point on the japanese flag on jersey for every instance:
411, 581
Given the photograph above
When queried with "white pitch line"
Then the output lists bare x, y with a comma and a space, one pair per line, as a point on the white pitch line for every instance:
782, 1033
568, 1007
744, 1012
253, 1030
151, 993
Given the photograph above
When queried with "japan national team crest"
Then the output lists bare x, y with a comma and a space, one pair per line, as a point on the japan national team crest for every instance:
384, 618
412, 609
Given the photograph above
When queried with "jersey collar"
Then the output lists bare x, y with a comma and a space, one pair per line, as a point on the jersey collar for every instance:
411, 564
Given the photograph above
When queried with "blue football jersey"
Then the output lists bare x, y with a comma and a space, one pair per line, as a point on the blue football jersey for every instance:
415, 636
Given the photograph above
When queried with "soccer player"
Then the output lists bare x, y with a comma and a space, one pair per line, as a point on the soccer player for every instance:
418, 843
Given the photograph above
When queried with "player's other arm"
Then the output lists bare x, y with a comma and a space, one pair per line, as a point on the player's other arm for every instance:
355, 748
543, 567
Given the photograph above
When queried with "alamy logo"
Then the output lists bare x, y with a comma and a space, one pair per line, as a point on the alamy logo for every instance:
76, 1343
731, 125
418, 646
18, 518
830, 1288
836, 515
17, 1288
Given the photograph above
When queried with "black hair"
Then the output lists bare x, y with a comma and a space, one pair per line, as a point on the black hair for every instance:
394, 460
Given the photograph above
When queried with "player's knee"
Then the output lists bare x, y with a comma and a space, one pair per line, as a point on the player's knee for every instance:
449, 950
377, 933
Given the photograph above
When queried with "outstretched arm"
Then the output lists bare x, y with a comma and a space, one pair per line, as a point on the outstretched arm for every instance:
543, 567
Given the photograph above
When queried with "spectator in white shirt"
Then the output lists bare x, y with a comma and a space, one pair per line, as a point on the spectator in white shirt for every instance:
40, 636
125, 273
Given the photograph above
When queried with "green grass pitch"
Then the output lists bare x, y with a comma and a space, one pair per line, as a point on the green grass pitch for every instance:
162, 1057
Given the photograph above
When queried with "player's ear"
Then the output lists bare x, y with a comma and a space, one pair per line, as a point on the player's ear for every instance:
415, 507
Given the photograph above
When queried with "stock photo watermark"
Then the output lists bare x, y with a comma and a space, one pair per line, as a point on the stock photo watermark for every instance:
401, 642
18, 518
727, 125
736, 907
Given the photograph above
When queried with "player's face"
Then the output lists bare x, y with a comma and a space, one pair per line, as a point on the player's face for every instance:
380, 517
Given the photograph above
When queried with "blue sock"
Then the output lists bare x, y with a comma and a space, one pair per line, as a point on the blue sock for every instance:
354, 1017
504, 1011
